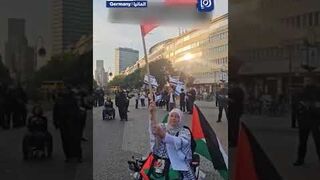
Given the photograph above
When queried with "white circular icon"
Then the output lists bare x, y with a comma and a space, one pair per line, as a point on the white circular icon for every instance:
206, 3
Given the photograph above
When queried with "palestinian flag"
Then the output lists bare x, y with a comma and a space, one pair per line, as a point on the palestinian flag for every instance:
251, 162
208, 144
147, 165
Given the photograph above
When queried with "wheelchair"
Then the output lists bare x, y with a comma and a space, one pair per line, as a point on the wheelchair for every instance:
108, 113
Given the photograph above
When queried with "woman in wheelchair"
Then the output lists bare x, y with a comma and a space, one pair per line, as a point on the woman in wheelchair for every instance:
171, 147
38, 136
108, 108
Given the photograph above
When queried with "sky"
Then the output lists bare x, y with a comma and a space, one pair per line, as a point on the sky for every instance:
108, 36
37, 16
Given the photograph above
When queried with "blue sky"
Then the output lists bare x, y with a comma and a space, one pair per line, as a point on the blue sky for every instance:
108, 36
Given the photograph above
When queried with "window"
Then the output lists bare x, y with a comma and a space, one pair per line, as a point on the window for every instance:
304, 20
316, 18
298, 21
310, 19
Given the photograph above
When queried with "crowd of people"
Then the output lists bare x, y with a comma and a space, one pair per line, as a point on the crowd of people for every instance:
168, 98
69, 117
13, 106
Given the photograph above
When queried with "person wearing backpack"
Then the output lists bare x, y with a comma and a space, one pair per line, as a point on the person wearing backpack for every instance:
171, 145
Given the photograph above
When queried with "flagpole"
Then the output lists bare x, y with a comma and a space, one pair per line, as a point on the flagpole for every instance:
146, 60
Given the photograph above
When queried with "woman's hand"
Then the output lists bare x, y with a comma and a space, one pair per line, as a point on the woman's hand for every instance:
158, 131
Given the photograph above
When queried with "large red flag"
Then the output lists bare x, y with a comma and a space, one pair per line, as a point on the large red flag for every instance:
180, 2
147, 27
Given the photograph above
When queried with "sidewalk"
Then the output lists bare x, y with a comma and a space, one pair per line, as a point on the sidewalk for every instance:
280, 142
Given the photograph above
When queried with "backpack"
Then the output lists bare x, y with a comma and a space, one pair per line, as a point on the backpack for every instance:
193, 142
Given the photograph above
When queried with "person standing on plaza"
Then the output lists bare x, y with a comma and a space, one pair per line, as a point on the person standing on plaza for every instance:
137, 97
66, 118
121, 103
191, 99
172, 99
308, 119
235, 110
142, 99
222, 103
182, 101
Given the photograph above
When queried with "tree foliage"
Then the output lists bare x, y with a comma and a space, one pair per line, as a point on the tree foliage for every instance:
160, 69
73, 70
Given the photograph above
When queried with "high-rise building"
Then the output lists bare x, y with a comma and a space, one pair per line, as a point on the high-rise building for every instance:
125, 57
19, 57
71, 19
100, 75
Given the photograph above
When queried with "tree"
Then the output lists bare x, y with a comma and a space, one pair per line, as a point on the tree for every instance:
73, 70
160, 69
4, 74
117, 81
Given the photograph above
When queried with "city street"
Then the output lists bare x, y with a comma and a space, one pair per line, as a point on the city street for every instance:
13, 167
115, 141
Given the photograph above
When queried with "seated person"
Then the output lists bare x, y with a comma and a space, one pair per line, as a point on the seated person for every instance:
108, 106
37, 131
171, 144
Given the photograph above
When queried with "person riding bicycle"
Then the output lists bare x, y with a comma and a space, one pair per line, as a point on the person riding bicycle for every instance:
171, 146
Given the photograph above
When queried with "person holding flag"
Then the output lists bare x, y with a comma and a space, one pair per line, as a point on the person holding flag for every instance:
171, 147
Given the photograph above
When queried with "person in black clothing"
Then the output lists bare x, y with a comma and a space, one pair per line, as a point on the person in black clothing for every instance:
66, 115
21, 108
191, 98
9, 108
235, 110
2, 105
308, 119
182, 101
222, 103
294, 109
121, 103
38, 134
82, 110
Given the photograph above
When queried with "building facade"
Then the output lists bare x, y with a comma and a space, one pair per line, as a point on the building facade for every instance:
100, 75
19, 57
201, 53
71, 19
124, 58
275, 50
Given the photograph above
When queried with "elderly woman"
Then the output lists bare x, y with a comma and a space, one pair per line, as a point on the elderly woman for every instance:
171, 146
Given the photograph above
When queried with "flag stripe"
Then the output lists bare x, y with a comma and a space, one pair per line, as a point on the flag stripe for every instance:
244, 171
263, 165
202, 149
212, 142
196, 126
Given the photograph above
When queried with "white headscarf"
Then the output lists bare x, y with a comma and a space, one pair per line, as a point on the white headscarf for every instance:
180, 123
